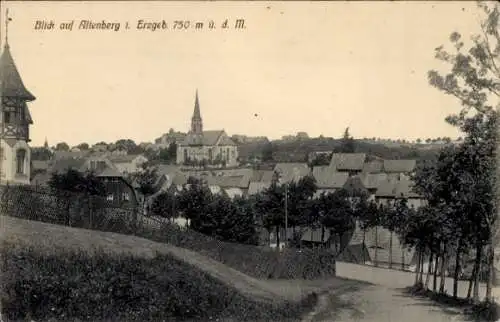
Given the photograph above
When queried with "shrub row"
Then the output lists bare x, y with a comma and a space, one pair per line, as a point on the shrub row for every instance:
260, 262
75, 286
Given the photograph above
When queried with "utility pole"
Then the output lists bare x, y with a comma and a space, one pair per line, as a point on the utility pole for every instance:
286, 213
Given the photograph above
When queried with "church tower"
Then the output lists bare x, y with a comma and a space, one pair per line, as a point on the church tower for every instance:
196, 122
15, 119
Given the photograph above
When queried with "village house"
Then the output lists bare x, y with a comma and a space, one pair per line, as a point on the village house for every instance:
128, 164
328, 180
119, 191
351, 163
206, 148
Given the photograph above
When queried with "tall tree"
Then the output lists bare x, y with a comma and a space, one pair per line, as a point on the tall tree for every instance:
474, 79
347, 143
62, 146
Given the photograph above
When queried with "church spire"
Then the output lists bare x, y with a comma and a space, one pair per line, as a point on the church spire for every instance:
196, 121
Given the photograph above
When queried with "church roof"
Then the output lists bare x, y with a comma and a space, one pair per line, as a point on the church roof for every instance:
209, 138
11, 84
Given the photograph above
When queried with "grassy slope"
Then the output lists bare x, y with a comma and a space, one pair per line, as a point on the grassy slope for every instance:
48, 238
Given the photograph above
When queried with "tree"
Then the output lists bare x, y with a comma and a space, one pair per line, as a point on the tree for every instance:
83, 146
75, 181
193, 201
474, 79
227, 220
163, 205
336, 214
347, 143
146, 181
169, 154
62, 146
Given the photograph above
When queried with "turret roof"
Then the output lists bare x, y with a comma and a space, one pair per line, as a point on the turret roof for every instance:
11, 84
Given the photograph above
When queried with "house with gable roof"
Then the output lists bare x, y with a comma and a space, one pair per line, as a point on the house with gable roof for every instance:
351, 163
201, 147
119, 191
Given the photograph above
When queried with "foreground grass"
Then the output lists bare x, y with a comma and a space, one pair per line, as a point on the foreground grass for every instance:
73, 285
56, 260
482, 312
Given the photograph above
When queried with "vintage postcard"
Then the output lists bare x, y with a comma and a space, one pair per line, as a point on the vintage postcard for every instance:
249, 161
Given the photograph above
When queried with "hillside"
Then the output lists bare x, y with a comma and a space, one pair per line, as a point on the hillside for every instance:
296, 151
50, 239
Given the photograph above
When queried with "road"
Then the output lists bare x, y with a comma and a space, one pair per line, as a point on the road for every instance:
385, 300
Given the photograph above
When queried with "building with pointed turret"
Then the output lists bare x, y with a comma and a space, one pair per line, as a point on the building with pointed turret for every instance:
15, 119
206, 148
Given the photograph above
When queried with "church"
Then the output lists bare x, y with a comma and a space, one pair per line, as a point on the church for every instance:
15, 120
206, 148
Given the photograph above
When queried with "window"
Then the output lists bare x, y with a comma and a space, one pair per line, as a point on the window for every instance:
1, 162
110, 197
6, 117
21, 160
125, 196
228, 153
210, 154
185, 155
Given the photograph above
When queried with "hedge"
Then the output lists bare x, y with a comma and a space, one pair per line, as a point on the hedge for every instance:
76, 286
259, 262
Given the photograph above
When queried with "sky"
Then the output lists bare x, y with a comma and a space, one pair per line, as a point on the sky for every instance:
317, 67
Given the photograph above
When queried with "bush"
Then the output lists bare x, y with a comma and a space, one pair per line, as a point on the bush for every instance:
69, 286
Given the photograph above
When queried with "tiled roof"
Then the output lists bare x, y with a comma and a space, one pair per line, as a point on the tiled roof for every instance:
396, 189
354, 184
375, 166
327, 177
292, 171
11, 83
63, 165
110, 173
257, 187
348, 161
399, 165
209, 138
372, 180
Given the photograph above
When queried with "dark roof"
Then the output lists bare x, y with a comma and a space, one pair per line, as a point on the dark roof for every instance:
399, 165
326, 177
348, 161
63, 165
11, 84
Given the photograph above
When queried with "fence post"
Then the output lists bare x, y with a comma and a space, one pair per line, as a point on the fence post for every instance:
91, 212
